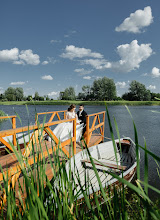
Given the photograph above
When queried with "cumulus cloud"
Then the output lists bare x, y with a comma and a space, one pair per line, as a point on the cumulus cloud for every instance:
82, 71
131, 56
47, 77
72, 52
97, 63
87, 77
9, 55
23, 57
121, 85
45, 62
155, 72
51, 94
137, 21
29, 57
17, 83
151, 87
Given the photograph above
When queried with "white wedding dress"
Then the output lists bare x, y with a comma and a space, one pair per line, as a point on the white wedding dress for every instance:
64, 131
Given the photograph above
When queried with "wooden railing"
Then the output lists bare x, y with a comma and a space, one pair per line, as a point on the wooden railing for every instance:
14, 172
39, 130
100, 125
13, 117
54, 113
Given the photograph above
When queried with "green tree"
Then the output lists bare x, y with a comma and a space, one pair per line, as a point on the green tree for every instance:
47, 98
19, 94
103, 89
68, 94
36, 96
10, 94
29, 98
138, 91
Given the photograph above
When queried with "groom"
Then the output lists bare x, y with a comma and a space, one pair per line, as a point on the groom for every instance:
82, 117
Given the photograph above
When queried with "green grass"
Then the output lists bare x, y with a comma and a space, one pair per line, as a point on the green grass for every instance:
2, 113
58, 201
68, 102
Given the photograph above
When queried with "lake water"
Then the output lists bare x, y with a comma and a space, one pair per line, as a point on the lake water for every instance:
147, 124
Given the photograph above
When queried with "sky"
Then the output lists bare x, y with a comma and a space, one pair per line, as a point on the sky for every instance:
49, 45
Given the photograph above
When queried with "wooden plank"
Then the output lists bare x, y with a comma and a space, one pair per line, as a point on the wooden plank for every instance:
110, 165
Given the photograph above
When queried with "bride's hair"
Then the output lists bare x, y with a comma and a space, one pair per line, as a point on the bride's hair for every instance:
71, 107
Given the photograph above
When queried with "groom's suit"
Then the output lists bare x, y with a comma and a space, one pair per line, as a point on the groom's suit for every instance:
82, 116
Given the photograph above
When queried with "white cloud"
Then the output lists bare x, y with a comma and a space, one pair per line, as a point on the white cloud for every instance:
9, 55
155, 72
55, 41
97, 63
47, 77
151, 87
82, 71
51, 94
29, 57
131, 56
17, 83
72, 52
121, 85
19, 62
87, 77
144, 74
45, 62
19, 58
137, 21
70, 33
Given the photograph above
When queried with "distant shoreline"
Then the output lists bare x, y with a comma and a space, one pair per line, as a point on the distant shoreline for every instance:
68, 102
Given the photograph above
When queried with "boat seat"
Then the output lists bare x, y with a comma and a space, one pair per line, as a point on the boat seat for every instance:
105, 164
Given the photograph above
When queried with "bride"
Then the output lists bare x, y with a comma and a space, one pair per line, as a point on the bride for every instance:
64, 131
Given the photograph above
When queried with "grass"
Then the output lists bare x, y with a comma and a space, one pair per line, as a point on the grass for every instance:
56, 199
68, 102
2, 113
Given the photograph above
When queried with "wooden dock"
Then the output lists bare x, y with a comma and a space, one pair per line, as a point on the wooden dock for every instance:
9, 162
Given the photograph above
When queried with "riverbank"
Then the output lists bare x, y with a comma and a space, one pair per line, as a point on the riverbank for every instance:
68, 102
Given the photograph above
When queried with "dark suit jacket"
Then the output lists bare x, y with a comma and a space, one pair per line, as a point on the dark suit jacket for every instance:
82, 117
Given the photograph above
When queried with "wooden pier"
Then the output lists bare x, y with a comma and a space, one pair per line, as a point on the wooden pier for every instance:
41, 147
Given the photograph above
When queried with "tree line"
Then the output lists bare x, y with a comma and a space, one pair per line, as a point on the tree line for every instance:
101, 89
105, 89
17, 94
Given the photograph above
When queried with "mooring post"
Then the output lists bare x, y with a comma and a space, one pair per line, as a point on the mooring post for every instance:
74, 136
103, 127
13, 127
87, 129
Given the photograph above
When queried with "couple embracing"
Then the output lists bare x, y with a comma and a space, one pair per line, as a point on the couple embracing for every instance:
64, 131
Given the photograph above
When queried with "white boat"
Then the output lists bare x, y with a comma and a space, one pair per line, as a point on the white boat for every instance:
105, 158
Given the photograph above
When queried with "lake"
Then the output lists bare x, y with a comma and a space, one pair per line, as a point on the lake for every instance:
147, 124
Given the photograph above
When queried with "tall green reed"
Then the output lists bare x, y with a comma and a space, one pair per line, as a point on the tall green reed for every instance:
58, 198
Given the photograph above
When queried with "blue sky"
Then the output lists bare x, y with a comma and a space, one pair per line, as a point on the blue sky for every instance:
47, 46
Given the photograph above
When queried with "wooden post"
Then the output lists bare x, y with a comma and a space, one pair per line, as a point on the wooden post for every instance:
13, 127
64, 115
74, 136
103, 127
87, 129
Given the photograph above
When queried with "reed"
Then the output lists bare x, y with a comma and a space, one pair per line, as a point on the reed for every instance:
58, 198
